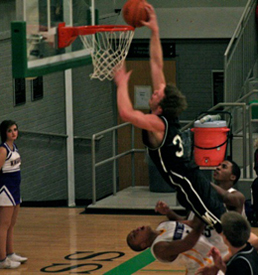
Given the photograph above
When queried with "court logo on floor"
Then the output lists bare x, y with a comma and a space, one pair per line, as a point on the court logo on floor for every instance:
83, 262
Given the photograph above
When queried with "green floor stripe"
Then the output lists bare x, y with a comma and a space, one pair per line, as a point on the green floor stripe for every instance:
133, 265
164, 270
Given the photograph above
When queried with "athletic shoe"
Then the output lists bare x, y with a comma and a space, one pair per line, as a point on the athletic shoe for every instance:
17, 258
7, 263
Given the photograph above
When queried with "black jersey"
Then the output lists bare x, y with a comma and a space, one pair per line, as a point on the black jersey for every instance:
171, 154
194, 189
171, 150
244, 262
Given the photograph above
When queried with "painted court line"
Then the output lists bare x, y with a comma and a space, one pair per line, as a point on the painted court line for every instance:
132, 265
163, 270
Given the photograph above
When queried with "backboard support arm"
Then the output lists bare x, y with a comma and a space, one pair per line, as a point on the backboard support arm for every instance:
19, 56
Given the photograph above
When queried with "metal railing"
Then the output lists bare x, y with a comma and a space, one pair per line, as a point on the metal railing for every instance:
48, 134
249, 134
241, 54
115, 156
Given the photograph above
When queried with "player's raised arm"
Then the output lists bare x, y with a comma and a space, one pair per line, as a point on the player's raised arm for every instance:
162, 208
156, 54
149, 122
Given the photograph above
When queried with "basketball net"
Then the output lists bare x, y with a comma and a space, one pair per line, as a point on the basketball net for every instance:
108, 50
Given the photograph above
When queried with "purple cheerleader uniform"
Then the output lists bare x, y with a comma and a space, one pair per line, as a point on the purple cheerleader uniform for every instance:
10, 177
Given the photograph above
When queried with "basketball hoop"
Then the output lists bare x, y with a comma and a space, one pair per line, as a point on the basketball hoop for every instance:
108, 45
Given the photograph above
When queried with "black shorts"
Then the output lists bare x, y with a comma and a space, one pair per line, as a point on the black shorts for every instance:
202, 186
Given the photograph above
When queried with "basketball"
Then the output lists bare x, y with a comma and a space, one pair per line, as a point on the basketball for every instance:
134, 12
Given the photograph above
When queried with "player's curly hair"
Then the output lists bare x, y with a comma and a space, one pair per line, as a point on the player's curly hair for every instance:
235, 170
173, 103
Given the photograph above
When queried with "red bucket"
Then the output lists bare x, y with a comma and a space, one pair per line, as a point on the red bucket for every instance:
210, 142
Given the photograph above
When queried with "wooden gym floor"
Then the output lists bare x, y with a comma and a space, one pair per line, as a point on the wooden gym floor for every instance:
64, 241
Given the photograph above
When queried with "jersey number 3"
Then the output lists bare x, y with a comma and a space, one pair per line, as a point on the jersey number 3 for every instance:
178, 141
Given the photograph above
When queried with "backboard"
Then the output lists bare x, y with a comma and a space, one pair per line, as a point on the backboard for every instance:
35, 49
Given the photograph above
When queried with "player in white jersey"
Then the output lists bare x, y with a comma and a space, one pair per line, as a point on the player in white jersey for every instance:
209, 234
10, 178
193, 258
175, 241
